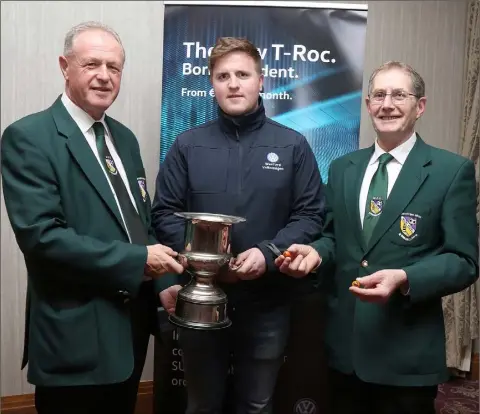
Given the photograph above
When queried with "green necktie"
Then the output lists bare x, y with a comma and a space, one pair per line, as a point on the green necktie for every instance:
377, 196
135, 227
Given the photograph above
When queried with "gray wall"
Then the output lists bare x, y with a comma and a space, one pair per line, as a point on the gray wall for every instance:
32, 36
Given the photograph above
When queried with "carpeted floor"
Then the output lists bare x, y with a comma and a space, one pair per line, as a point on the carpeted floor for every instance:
458, 396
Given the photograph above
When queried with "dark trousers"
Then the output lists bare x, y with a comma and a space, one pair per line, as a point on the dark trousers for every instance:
350, 395
257, 340
112, 398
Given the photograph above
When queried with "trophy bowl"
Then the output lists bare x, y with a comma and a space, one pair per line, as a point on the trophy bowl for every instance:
201, 304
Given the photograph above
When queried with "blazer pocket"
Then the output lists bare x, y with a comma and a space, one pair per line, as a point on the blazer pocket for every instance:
396, 239
411, 228
65, 341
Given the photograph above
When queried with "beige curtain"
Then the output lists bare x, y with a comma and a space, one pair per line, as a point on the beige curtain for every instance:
461, 309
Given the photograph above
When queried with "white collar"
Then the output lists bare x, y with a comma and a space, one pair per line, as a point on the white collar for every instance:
83, 120
399, 153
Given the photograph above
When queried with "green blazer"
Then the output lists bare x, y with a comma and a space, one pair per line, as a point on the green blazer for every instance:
403, 341
79, 261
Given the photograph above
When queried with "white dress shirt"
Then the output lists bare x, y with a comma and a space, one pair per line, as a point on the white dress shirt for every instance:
394, 167
85, 124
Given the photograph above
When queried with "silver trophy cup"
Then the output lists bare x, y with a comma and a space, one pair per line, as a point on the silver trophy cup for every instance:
201, 304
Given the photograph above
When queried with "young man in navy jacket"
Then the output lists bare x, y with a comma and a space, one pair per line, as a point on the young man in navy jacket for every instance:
247, 165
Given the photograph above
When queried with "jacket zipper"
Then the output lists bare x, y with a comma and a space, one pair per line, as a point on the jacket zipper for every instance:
239, 180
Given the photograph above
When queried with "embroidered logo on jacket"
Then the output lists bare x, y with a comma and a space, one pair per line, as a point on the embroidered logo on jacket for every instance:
272, 162
143, 188
408, 226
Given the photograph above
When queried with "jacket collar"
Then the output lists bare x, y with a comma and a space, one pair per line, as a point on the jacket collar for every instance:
86, 160
243, 123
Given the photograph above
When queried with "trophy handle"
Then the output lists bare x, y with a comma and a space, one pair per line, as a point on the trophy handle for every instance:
181, 258
232, 266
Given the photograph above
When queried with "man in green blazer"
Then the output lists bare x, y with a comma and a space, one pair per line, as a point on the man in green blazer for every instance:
75, 193
401, 224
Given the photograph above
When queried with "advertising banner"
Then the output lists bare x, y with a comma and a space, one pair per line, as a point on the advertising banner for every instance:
312, 61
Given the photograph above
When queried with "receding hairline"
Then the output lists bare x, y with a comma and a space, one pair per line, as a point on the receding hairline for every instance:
102, 32
418, 84
75, 32
386, 70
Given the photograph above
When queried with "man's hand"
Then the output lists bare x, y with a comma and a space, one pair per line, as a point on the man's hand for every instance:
249, 265
300, 261
161, 260
168, 298
379, 286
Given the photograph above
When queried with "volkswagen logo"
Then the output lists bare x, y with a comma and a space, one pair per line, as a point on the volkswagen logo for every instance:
272, 157
305, 406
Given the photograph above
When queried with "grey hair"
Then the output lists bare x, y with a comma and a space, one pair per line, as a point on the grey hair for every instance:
83, 27
417, 81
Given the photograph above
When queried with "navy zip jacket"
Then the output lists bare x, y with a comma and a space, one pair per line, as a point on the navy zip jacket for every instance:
248, 166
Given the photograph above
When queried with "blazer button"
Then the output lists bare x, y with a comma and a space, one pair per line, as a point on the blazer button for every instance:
364, 263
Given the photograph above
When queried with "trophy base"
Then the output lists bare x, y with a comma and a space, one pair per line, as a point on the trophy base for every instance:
204, 326
200, 315
201, 306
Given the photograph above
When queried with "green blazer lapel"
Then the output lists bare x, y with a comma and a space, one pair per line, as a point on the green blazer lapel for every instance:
353, 178
411, 178
82, 153
123, 151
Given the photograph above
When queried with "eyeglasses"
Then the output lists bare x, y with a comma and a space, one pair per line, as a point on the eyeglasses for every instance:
399, 96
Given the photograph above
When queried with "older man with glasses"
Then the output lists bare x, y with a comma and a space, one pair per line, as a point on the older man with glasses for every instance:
401, 233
